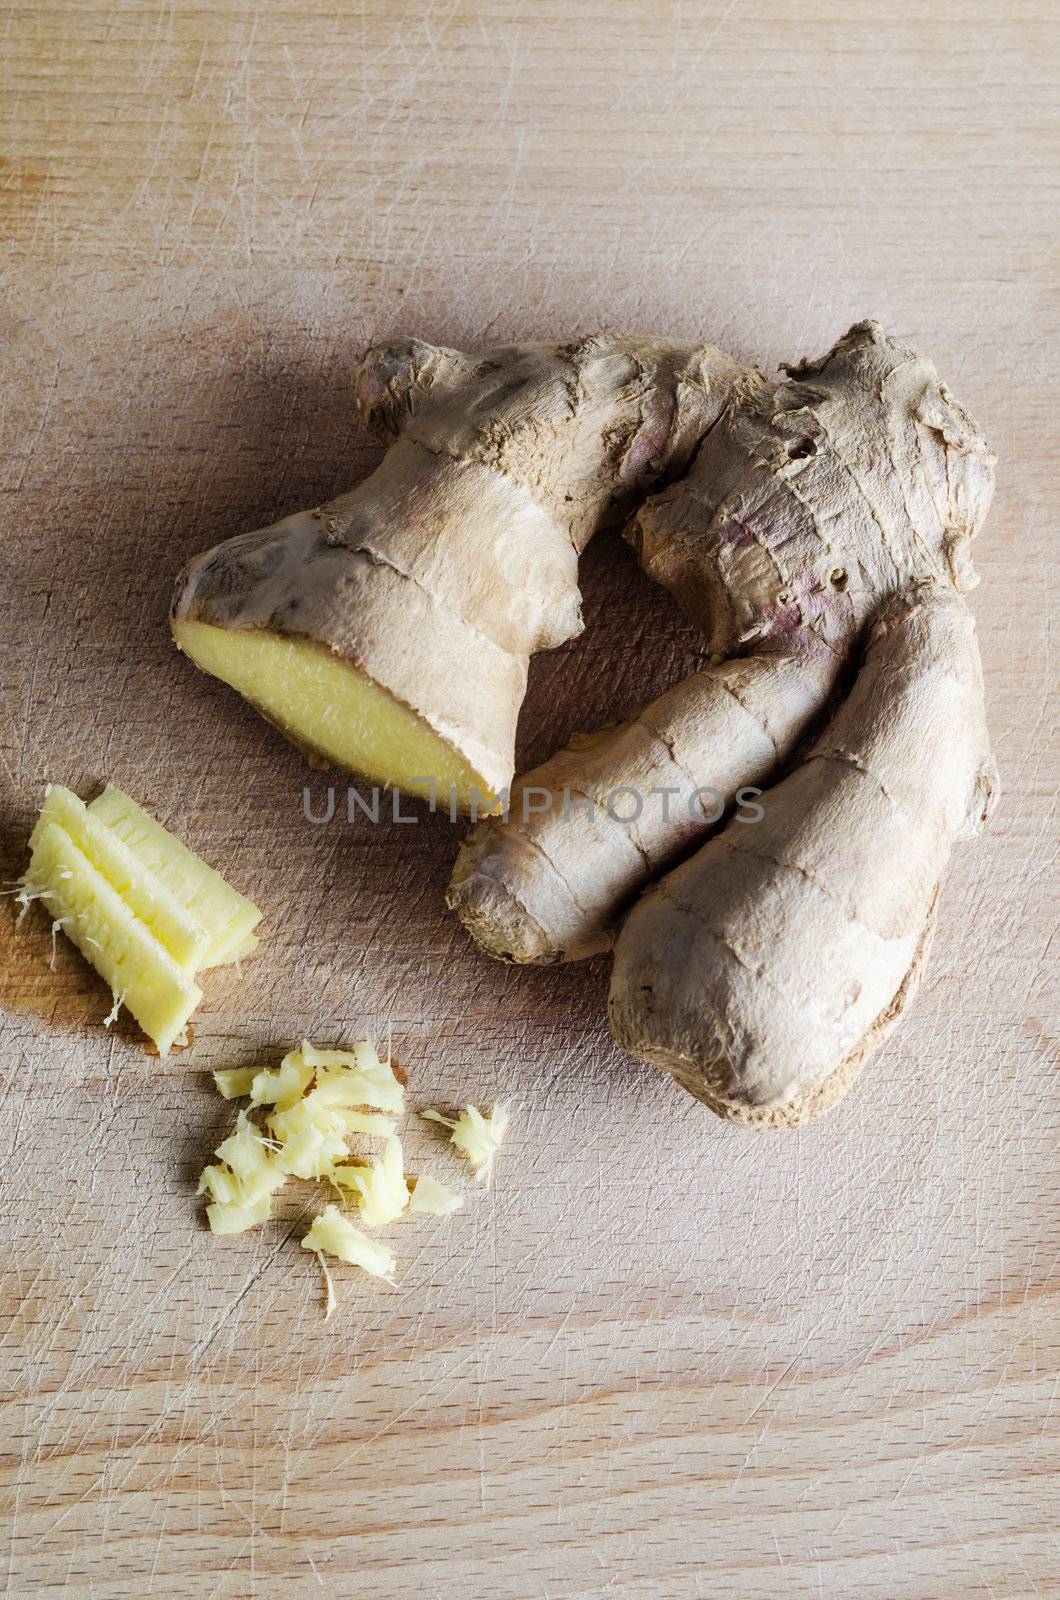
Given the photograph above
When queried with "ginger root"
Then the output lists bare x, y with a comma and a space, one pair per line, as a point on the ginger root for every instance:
390, 630
820, 538
816, 526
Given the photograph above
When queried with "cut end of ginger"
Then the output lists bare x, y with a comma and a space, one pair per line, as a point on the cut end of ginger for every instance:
329, 707
141, 908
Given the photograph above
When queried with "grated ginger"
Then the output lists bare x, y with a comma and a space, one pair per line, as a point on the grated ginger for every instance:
282, 1086
379, 1186
313, 1102
478, 1138
432, 1198
333, 1233
241, 1186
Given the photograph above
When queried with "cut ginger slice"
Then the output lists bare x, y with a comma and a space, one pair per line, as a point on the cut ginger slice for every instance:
146, 896
227, 916
328, 707
142, 975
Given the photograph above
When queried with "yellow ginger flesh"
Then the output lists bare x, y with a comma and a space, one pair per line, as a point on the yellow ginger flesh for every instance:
146, 896
227, 916
327, 704
243, 1182
313, 1101
432, 1198
142, 975
105, 872
333, 1233
378, 1187
477, 1137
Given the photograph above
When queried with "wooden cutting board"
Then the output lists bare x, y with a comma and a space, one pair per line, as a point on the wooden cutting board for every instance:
663, 1357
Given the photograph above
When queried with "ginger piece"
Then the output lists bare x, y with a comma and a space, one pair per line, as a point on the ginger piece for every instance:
227, 916
146, 896
311, 1137
432, 1198
478, 1138
326, 704
333, 1233
146, 931
391, 630
282, 1087
355, 1078
236, 1082
820, 537
241, 1184
379, 1187
142, 974
312, 1125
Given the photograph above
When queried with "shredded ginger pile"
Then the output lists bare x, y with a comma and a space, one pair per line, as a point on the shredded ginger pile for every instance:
313, 1103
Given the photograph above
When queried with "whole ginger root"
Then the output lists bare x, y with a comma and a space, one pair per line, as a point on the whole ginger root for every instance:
815, 526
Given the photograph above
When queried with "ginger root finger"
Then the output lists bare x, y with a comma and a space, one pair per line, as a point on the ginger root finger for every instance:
763, 970
390, 631
587, 828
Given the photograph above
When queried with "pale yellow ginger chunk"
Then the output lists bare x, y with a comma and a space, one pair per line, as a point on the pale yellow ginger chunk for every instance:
379, 1187
355, 1077
146, 896
432, 1198
242, 1184
282, 1086
478, 1138
234, 1084
240, 1216
333, 1233
109, 876
310, 1138
312, 1125
142, 975
227, 916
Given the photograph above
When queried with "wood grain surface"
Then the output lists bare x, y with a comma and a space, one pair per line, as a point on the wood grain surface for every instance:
663, 1357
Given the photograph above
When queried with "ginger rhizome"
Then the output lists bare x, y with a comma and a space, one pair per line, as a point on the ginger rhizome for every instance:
815, 525
820, 539
390, 630
138, 904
